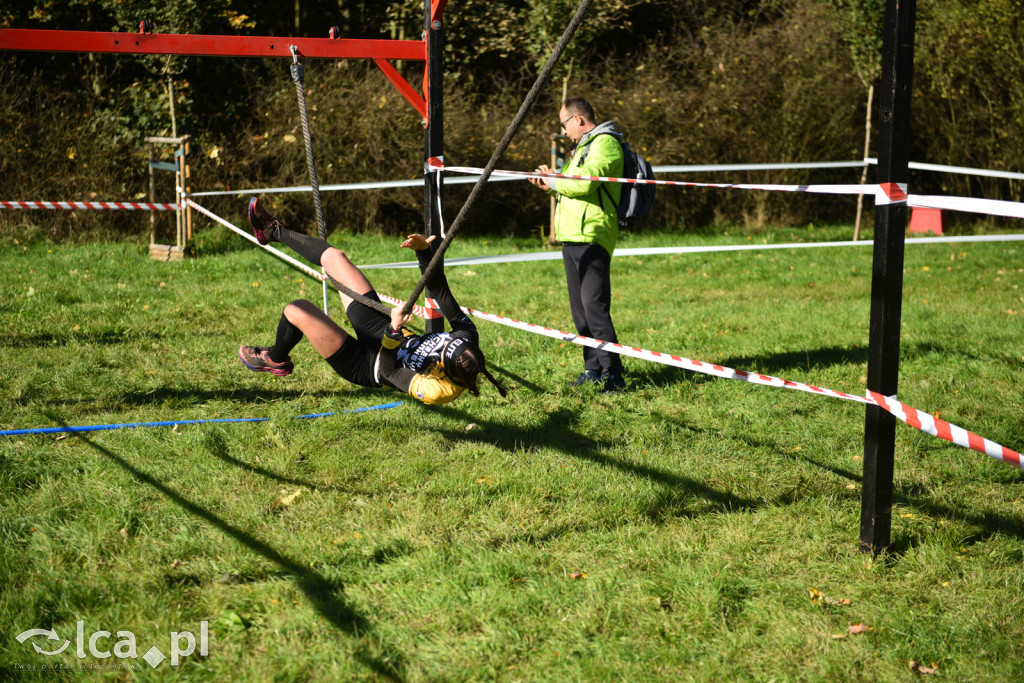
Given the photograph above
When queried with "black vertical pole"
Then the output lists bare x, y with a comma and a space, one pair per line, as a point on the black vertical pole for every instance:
887, 272
433, 145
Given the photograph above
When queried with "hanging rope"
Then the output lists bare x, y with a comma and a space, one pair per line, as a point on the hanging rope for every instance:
321, 227
437, 261
314, 181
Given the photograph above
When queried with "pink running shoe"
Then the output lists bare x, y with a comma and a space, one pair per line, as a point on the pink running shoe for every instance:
264, 226
257, 359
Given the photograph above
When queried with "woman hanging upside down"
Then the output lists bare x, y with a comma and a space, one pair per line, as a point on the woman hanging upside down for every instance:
434, 368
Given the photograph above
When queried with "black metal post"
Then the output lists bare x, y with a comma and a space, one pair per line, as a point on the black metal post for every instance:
887, 272
433, 145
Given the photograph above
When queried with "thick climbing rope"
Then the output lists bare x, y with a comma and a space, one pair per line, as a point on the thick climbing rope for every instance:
437, 261
297, 77
314, 182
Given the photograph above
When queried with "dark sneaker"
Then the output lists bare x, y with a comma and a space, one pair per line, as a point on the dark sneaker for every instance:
257, 359
264, 226
588, 377
613, 384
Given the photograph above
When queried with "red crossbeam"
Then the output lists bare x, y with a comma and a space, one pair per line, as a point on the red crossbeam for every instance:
220, 46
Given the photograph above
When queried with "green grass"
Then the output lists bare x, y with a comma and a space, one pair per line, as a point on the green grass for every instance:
671, 532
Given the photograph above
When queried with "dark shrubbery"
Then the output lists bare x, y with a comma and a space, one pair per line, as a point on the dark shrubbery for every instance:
690, 83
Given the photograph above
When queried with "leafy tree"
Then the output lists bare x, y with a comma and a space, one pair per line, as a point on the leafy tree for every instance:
861, 24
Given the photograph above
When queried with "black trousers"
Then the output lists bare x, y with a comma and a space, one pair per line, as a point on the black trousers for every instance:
588, 276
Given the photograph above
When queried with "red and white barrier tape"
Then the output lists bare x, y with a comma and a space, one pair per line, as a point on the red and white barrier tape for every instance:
912, 416
884, 193
128, 206
908, 414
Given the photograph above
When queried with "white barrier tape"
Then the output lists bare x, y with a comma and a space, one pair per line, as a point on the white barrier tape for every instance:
884, 193
962, 170
692, 168
266, 247
758, 167
127, 206
912, 416
418, 310
991, 207
655, 251
378, 185
387, 184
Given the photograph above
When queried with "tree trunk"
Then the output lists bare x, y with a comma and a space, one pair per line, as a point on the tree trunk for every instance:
864, 173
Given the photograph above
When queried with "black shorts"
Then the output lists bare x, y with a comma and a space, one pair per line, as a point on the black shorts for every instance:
357, 357
369, 325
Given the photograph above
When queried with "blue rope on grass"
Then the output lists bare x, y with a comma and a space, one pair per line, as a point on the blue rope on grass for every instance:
135, 425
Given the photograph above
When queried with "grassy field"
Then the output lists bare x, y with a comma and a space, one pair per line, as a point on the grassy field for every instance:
676, 531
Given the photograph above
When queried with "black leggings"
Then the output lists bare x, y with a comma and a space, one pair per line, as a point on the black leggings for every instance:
357, 357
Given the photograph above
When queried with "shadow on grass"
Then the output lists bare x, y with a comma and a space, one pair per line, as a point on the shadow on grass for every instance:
558, 433
324, 595
518, 379
987, 522
804, 359
218, 447
105, 338
176, 397
950, 354
196, 395
657, 375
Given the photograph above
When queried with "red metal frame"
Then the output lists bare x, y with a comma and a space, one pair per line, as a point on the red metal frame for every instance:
222, 46
402, 85
232, 46
437, 9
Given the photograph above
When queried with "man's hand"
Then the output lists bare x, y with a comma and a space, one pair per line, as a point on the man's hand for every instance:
418, 242
542, 183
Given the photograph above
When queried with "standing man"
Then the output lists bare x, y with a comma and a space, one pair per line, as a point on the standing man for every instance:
587, 225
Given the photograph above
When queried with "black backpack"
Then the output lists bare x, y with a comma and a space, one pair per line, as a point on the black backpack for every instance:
637, 200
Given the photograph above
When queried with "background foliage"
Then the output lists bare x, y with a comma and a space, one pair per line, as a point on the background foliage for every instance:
690, 82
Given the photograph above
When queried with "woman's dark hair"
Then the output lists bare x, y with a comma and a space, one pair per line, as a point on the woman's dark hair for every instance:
467, 366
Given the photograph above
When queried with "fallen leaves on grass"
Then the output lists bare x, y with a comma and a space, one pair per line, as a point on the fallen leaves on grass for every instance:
286, 501
821, 600
577, 576
922, 669
858, 628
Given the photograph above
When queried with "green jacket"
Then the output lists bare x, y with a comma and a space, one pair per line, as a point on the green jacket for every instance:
583, 212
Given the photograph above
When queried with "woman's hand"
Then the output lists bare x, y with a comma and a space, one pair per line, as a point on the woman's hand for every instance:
542, 183
398, 317
418, 242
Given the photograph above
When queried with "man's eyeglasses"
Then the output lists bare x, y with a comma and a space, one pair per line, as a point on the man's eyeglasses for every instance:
571, 117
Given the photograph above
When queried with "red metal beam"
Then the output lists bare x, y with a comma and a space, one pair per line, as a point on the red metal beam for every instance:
437, 9
407, 91
220, 46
